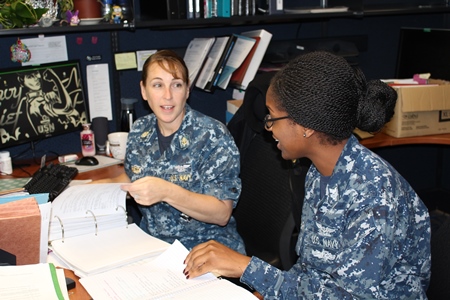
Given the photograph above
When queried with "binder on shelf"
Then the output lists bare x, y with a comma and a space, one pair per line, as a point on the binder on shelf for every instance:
190, 13
198, 9
212, 83
210, 9
213, 63
224, 8
195, 56
241, 48
248, 69
248, 7
235, 7
195, 9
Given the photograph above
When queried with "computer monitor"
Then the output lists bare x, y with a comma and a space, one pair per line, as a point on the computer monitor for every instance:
424, 50
37, 102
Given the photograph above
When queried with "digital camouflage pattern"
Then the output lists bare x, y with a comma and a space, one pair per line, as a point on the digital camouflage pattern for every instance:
367, 238
202, 158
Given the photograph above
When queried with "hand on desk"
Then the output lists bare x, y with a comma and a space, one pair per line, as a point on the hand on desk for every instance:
214, 257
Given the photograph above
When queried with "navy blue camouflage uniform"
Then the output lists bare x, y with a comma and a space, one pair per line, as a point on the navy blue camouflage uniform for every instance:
202, 158
368, 237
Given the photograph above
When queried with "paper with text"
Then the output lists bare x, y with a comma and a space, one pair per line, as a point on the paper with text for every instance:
91, 254
99, 91
161, 278
32, 282
208, 70
46, 50
195, 55
241, 49
80, 209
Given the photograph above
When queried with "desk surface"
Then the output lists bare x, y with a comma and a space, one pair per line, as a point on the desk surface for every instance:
379, 140
384, 140
78, 293
107, 172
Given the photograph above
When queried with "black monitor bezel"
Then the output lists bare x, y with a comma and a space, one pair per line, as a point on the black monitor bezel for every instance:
423, 50
82, 103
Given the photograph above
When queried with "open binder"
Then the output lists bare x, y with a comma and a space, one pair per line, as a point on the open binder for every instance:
89, 231
85, 209
161, 278
92, 254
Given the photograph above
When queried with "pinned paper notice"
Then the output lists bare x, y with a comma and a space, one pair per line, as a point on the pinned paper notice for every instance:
46, 50
125, 61
142, 57
99, 91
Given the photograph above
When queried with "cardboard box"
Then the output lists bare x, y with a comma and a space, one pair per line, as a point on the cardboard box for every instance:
420, 110
232, 107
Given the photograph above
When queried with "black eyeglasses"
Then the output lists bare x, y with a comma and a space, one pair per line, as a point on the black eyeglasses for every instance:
268, 121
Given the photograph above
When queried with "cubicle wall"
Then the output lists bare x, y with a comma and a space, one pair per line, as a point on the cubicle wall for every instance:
377, 57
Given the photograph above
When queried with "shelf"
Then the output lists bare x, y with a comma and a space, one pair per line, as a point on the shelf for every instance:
383, 10
64, 29
178, 24
232, 21
288, 18
238, 21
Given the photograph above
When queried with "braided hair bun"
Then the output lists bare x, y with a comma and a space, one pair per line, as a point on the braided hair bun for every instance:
321, 91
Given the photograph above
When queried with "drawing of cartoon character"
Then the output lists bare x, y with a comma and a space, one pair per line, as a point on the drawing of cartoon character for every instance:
47, 107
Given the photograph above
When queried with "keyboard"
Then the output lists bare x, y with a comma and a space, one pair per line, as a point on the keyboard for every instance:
51, 179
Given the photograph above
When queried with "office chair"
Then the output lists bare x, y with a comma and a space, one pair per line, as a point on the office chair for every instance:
267, 216
440, 257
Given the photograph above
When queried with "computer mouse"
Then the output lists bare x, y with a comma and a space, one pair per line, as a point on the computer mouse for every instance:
87, 161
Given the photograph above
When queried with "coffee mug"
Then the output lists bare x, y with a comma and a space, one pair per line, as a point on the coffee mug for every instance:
116, 145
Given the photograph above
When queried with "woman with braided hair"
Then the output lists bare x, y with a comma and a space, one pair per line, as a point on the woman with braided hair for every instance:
365, 234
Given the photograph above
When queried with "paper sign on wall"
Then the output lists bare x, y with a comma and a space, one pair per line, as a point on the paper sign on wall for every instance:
46, 50
99, 91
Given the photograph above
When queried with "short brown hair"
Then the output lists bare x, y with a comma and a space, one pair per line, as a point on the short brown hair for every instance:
170, 62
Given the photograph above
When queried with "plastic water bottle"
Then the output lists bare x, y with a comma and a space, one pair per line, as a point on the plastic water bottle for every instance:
128, 115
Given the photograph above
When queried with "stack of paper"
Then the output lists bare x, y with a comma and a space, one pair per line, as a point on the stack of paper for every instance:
87, 209
37, 281
90, 234
92, 254
161, 278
